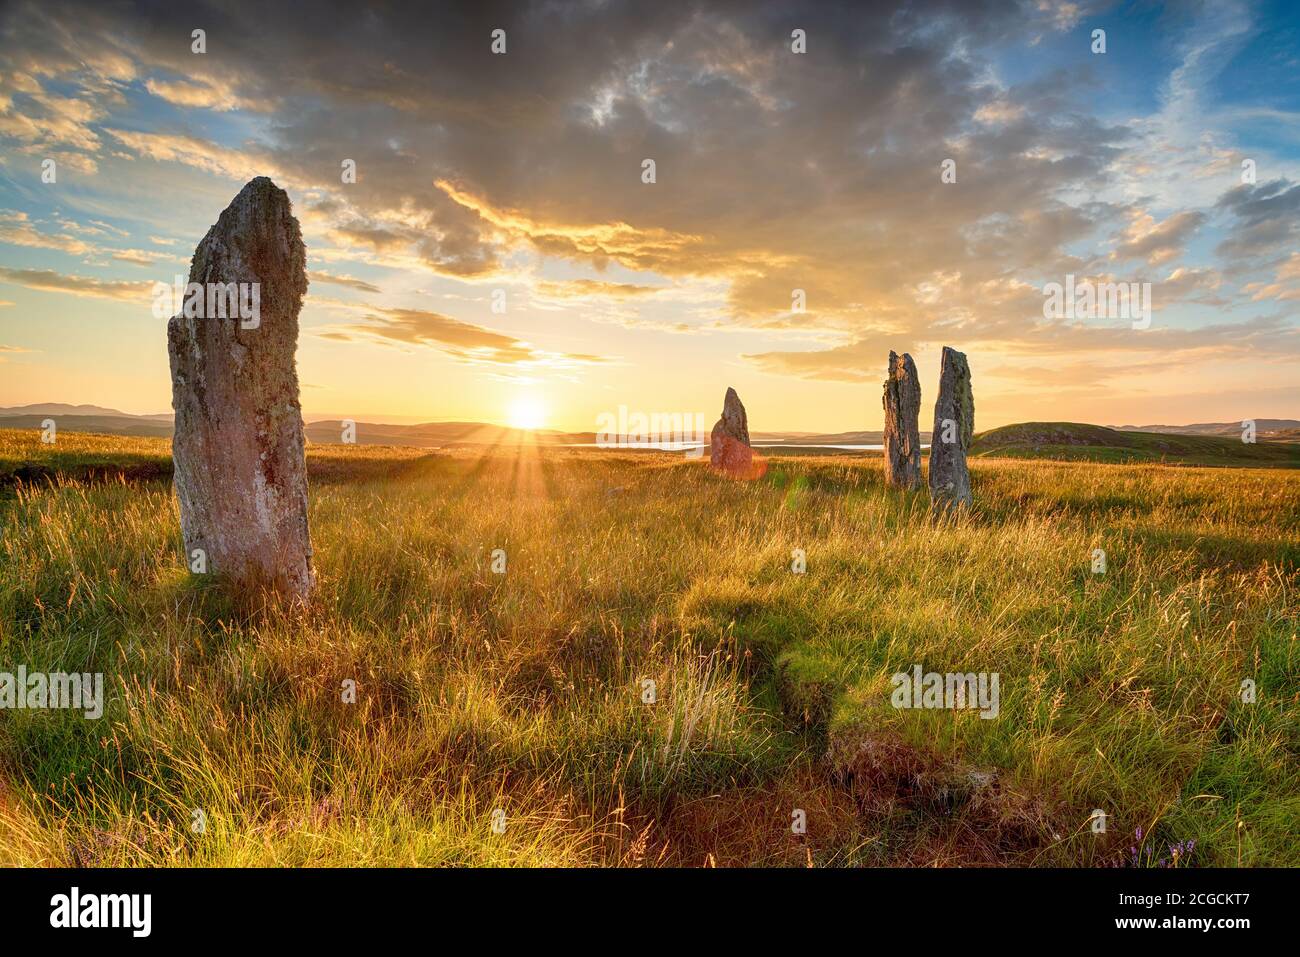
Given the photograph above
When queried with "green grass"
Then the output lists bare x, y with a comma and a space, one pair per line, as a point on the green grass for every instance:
523, 691
1075, 442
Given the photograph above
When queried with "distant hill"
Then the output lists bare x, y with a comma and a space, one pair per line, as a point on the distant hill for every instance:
1097, 443
45, 409
1284, 429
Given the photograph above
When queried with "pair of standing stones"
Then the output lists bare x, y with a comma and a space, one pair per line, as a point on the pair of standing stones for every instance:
954, 424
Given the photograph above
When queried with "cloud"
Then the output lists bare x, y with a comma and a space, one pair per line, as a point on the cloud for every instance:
143, 257
860, 361
863, 360
95, 227
41, 122
1070, 374
205, 94
321, 276
1266, 219
775, 172
1158, 242
592, 289
16, 230
461, 340
761, 176
237, 164
1186, 284
47, 280
1285, 285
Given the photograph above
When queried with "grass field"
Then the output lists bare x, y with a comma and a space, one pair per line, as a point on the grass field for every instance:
523, 691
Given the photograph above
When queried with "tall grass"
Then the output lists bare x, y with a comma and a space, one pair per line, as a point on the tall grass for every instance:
524, 691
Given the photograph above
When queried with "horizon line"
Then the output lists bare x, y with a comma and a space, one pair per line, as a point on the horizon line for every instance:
313, 418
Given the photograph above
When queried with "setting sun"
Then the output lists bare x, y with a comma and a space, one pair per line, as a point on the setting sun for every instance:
527, 412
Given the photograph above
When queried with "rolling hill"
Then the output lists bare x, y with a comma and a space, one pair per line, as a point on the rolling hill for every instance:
1075, 441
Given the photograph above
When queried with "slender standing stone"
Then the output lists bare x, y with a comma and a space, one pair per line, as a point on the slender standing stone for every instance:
954, 424
902, 401
729, 449
240, 472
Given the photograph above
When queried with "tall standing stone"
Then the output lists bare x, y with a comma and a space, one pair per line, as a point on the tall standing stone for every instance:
902, 401
240, 470
954, 424
729, 449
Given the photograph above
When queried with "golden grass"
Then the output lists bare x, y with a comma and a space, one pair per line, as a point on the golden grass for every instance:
523, 691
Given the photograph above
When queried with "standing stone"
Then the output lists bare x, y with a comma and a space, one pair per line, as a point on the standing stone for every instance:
240, 471
729, 449
954, 424
902, 401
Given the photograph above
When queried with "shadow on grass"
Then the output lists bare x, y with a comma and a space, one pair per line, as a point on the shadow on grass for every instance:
1223, 551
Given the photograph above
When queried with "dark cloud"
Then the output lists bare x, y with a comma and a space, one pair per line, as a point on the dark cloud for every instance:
763, 156
1266, 219
775, 171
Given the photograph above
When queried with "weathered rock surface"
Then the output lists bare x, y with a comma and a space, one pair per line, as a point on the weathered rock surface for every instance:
902, 401
240, 472
729, 449
954, 424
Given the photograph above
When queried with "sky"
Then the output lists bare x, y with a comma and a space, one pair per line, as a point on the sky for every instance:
501, 257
